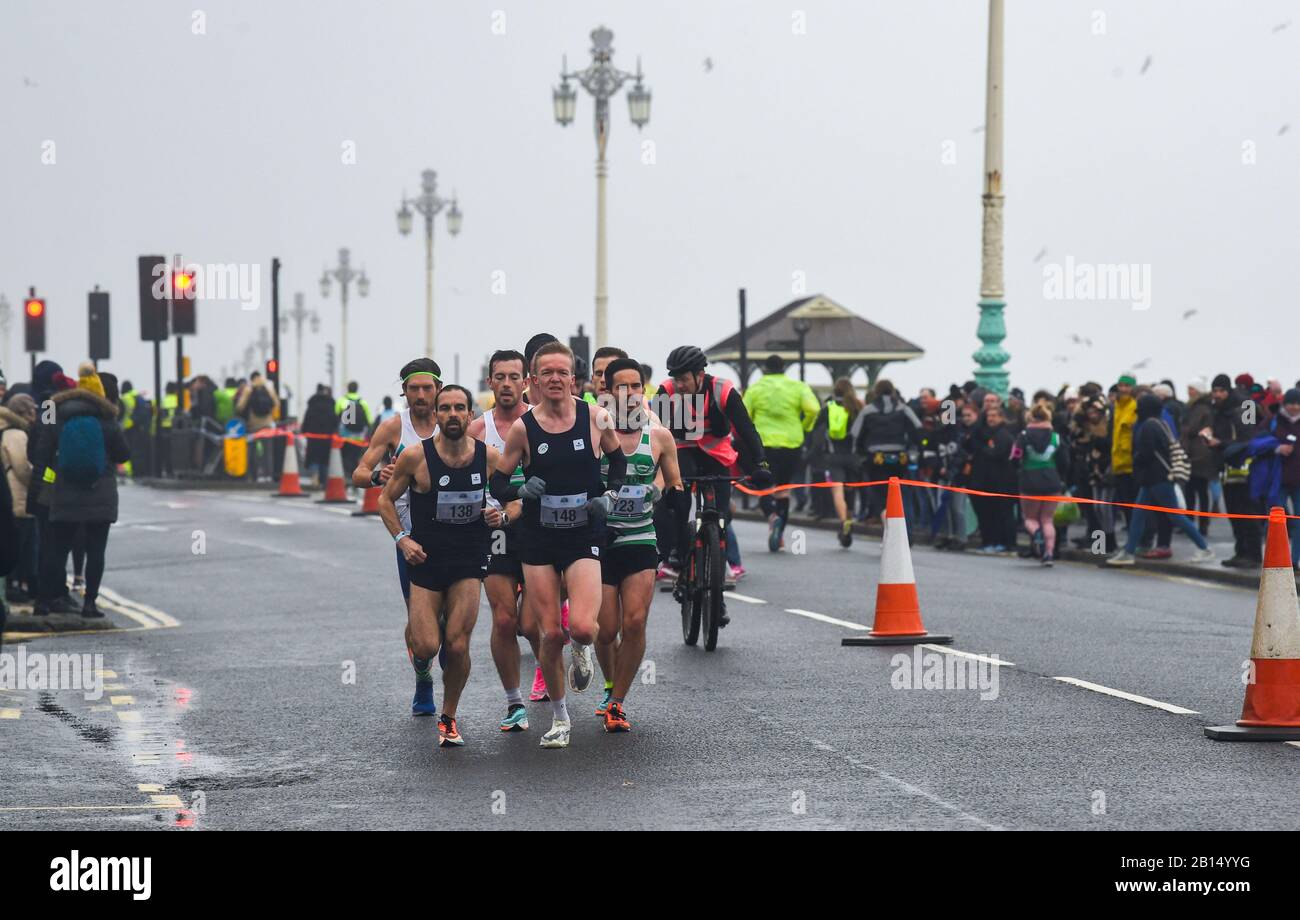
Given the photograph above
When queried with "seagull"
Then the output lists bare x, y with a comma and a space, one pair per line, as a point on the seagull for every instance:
1088, 342
978, 129
1042, 252
1141, 364
708, 64
1145, 65
1076, 338
1062, 359
28, 82
1188, 314
1282, 130
1280, 26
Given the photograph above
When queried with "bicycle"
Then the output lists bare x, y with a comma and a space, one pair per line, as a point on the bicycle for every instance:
699, 588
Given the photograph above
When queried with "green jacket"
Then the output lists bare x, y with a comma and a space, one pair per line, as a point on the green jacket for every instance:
224, 398
783, 409
361, 424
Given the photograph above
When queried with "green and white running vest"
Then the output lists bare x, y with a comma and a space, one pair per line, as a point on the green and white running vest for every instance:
632, 520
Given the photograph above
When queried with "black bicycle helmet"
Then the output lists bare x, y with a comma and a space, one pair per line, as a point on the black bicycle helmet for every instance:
686, 359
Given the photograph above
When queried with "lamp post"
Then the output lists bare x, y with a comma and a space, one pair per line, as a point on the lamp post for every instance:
428, 204
344, 274
263, 344
6, 318
603, 81
991, 356
802, 327
298, 314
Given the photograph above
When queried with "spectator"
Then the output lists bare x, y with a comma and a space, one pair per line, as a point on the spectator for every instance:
1152, 466
1044, 465
223, 400
955, 449
260, 406
783, 411
1198, 418
993, 471
16, 419
319, 419
385, 413
1286, 428
51, 588
85, 442
884, 433
353, 424
1122, 419
1236, 424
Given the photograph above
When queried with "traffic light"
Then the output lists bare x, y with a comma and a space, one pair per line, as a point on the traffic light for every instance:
273, 370
34, 323
97, 313
153, 298
184, 320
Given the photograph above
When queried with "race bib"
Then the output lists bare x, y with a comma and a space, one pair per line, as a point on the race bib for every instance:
631, 501
459, 507
564, 510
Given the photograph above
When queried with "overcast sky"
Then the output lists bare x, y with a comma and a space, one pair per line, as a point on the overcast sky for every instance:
816, 153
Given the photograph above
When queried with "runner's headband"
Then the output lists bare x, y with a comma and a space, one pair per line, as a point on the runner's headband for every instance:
422, 373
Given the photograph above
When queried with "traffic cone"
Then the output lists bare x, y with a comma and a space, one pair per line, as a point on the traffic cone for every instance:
898, 613
1272, 708
290, 483
369, 502
336, 490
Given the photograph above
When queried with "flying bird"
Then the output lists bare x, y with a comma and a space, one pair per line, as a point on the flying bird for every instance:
1188, 314
1280, 26
1145, 66
1141, 364
28, 82
1282, 130
1042, 252
708, 64
977, 129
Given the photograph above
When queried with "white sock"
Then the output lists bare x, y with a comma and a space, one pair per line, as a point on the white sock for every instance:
514, 697
561, 710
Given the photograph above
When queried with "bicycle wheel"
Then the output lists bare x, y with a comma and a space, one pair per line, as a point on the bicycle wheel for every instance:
689, 595
711, 584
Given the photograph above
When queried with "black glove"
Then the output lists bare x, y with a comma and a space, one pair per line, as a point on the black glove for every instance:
761, 477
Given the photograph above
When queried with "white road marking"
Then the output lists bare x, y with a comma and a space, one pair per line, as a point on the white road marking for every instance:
1292, 743
1198, 583
346, 511
173, 505
1131, 697
971, 655
813, 615
273, 521
156, 528
745, 598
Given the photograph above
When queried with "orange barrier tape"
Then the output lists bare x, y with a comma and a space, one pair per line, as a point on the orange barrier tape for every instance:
284, 433
1037, 498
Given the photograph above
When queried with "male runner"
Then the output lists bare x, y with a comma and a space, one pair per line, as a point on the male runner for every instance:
421, 381
560, 443
628, 564
510, 616
446, 545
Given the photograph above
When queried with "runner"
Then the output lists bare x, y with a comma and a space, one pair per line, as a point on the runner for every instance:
421, 381
504, 583
562, 527
628, 564
446, 546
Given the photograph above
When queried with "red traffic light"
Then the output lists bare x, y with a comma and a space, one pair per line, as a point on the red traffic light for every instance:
272, 366
182, 282
35, 307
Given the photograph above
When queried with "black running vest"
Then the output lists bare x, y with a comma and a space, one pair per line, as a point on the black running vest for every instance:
448, 519
571, 469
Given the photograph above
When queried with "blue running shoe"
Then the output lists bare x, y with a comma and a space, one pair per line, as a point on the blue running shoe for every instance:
516, 719
422, 703
775, 526
604, 704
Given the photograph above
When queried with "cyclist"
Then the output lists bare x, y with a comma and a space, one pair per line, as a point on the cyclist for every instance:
713, 432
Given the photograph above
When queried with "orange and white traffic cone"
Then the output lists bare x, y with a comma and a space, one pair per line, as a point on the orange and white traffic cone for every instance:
898, 612
336, 490
369, 502
290, 482
1272, 708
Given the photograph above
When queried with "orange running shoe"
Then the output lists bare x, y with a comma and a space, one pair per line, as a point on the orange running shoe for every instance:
448, 733
615, 720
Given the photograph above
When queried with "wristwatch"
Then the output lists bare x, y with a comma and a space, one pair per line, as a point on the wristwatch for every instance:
397, 537
374, 476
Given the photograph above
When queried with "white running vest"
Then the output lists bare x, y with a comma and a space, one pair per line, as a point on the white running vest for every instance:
409, 439
493, 438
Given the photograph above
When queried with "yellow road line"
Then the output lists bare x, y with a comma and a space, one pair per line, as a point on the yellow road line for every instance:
11, 713
122, 700
142, 805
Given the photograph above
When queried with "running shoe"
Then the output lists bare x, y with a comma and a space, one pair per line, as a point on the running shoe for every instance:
516, 719
1046, 562
1159, 552
423, 704
775, 526
846, 534
736, 572
448, 733
580, 670
615, 720
558, 736
666, 572
1202, 556
539, 694
564, 620
604, 703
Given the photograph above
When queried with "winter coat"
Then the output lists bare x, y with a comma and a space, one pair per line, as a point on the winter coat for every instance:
96, 503
991, 466
1090, 451
885, 425
1123, 420
318, 419
1284, 429
1199, 415
1151, 440
13, 458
